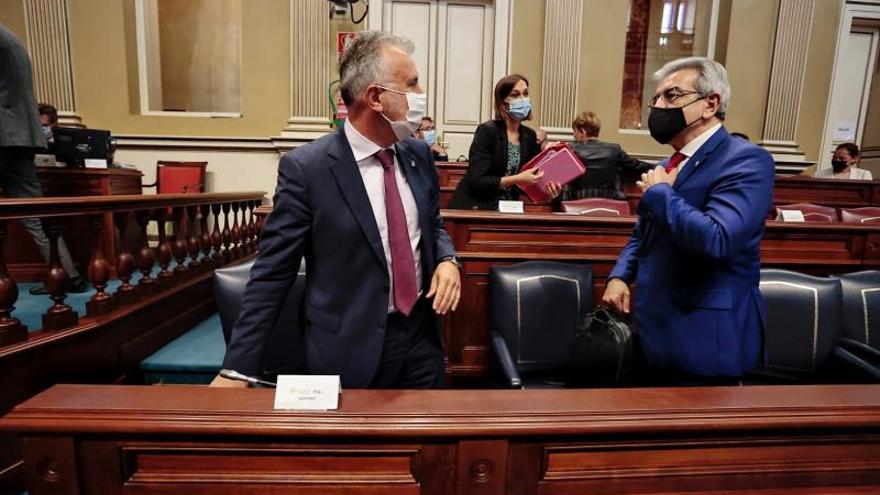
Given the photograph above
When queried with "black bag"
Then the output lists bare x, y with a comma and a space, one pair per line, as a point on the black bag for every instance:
604, 348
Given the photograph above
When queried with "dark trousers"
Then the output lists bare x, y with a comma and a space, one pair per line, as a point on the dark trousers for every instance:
18, 178
412, 354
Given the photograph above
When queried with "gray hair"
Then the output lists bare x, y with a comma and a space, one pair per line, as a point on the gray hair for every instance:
712, 78
362, 63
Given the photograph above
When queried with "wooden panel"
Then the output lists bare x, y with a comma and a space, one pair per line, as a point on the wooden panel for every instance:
707, 440
51, 465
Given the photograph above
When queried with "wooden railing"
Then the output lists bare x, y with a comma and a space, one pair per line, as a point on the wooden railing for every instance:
198, 244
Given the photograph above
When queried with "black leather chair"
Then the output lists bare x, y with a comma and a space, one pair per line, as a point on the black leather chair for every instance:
803, 335
536, 308
284, 352
861, 307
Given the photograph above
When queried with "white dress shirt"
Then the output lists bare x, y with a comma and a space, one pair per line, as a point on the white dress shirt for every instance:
695, 144
372, 173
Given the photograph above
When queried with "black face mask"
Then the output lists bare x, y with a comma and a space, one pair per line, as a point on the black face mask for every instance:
839, 165
666, 123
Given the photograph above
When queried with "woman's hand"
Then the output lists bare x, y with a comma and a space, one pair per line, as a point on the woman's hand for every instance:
529, 177
553, 190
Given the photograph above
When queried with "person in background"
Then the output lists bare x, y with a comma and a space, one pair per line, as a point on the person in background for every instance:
695, 253
604, 162
844, 165
500, 147
48, 119
21, 136
428, 133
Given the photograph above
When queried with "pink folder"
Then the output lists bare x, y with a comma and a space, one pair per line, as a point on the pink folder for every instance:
559, 164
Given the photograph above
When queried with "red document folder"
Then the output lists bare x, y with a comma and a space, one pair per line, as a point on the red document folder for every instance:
559, 164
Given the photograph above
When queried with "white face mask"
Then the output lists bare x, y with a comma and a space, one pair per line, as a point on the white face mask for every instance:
418, 105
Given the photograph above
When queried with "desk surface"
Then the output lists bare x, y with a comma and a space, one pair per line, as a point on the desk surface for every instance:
399, 413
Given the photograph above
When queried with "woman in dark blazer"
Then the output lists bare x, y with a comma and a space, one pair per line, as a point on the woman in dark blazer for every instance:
498, 150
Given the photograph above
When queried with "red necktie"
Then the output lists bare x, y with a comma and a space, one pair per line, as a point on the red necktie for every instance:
674, 160
403, 266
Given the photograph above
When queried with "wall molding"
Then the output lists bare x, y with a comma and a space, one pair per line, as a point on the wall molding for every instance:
202, 143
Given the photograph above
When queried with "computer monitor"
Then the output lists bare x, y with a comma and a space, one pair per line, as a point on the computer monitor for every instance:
72, 145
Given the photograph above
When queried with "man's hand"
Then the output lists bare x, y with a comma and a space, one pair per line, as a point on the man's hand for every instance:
617, 295
219, 381
445, 287
657, 176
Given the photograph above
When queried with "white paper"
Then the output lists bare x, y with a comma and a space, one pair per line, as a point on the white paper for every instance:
307, 392
95, 163
505, 206
844, 130
790, 216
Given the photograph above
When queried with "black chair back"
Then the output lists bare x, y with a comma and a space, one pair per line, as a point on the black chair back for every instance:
861, 306
284, 352
537, 307
803, 320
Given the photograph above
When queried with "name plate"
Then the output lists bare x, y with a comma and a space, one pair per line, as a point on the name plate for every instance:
790, 216
307, 392
95, 163
505, 206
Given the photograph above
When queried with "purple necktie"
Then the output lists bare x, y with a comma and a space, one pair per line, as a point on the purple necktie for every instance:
403, 266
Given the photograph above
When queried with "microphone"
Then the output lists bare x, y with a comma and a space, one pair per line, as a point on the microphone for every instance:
234, 375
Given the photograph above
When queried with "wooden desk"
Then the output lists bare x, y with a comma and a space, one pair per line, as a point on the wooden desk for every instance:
483, 239
22, 257
81, 439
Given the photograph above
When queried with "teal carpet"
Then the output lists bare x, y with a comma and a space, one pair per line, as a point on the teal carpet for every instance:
194, 357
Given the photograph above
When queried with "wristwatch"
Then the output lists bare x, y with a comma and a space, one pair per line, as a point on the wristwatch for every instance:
452, 259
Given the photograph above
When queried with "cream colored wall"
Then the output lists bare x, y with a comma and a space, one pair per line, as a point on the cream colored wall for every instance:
104, 50
817, 77
12, 16
526, 46
227, 171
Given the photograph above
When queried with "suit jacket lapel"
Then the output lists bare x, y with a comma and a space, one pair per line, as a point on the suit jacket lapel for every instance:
350, 182
416, 180
703, 153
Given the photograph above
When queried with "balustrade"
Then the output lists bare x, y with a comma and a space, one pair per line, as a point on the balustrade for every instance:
197, 246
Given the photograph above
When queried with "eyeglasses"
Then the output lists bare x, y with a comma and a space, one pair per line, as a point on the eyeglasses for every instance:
671, 95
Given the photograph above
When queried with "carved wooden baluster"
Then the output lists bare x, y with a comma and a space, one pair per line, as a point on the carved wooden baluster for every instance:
193, 242
245, 230
255, 234
11, 329
259, 223
146, 259
236, 231
99, 270
216, 237
163, 250
60, 315
179, 245
126, 293
206, 242
227, 234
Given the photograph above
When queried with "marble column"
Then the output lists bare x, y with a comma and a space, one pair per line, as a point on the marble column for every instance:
310, 62
561, 67
784, 99
48, 39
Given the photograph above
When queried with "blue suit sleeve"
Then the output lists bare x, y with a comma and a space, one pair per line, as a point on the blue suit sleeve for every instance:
628, 261
284, 236
737, 207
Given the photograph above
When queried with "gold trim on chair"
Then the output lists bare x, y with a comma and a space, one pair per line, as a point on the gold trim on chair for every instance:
519, 283
865, 309
815, 292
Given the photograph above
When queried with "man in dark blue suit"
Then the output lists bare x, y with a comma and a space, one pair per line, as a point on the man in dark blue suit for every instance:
362, 206
695, 252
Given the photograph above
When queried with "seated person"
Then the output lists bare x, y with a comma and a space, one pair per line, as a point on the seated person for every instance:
604, 162
48, 119
500, 147
428, 134
844, 165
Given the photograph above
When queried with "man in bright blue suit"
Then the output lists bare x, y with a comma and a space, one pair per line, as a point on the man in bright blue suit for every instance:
694, 254
361, 205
